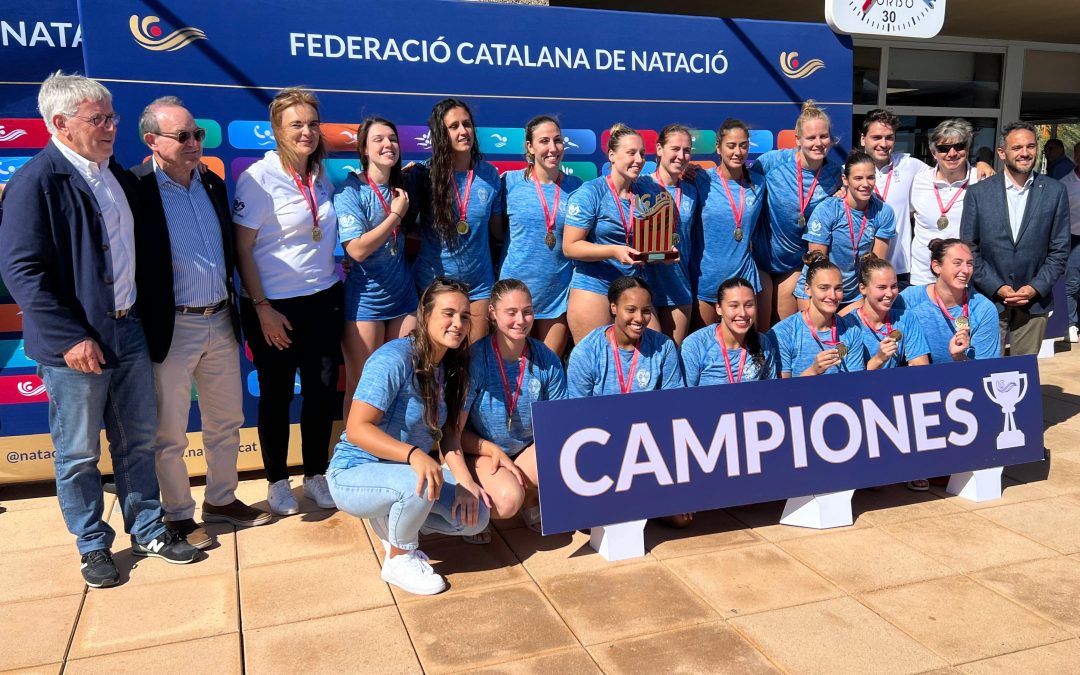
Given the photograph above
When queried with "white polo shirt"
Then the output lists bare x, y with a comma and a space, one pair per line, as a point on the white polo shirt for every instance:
1072, 186
894, 187
925, 209
290, 262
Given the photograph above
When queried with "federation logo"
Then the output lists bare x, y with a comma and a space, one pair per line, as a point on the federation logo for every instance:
7, 136
643, 377
28, 389
789, 63
148, 35
534, 387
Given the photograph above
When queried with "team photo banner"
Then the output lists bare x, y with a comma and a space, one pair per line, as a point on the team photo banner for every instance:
613, 459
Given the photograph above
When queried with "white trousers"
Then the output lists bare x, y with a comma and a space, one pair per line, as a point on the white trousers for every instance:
203, 350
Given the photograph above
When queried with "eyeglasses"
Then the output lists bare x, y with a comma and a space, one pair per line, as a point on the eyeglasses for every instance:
182, 137
100, 120
946, 148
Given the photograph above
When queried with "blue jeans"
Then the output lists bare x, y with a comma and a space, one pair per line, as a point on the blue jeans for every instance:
123, 397
1072, 279
375, 489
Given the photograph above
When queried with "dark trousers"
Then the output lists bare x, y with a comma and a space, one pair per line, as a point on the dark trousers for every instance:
316, 352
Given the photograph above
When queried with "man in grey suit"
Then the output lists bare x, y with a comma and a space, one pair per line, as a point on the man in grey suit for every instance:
1018, 225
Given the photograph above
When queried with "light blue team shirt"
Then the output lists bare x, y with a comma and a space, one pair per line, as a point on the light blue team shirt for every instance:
592, 208
982, 319
828, 225
387, 384
544, 381
784, 236
470, 261
721, 256
546, 271
591, 371
671, 283
798, 348
703, 360
380, 287
912, 343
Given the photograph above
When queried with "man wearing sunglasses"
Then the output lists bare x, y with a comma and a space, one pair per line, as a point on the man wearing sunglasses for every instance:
69, 261
188, 304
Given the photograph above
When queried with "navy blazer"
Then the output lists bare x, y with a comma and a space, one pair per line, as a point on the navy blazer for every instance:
1036, 257
153, 274
55, 258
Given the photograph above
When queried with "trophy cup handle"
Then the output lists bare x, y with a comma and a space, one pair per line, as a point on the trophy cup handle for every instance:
1023, 386
988, 385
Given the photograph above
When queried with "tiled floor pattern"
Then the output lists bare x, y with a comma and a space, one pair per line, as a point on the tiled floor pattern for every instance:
922, 582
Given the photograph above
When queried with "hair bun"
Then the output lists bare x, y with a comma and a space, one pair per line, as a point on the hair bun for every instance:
812, 257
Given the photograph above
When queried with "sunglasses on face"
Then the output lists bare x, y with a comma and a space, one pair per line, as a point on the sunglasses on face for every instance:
182, 137
946, 148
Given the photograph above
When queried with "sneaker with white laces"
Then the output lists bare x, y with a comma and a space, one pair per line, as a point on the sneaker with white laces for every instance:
280, 497
316, 489
411, 572
1074, 334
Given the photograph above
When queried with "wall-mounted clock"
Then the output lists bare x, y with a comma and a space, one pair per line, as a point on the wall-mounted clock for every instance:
897, 18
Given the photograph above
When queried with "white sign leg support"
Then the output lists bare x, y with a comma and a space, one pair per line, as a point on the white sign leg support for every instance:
819, 511
978, 486
619, 541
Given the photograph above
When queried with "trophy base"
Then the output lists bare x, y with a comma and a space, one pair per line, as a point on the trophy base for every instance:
1010, 439
657, 256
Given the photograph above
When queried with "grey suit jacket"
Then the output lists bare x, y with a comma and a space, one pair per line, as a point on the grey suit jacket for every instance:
1036, 257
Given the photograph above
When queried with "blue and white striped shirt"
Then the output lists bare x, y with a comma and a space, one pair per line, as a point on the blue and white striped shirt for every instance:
198, 258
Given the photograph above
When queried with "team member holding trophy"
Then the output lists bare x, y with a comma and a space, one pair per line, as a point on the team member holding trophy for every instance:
816, 341
849, 228
798, 180
509, 371
387, 466
958, 323
671, 284
602, 221
457, 195
731, 200
625, 356
380, 299
536, 204
892, 336
731, 350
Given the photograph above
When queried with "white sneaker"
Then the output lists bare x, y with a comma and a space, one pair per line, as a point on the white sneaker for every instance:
411, 572
281, 499
1074, 334
316, 489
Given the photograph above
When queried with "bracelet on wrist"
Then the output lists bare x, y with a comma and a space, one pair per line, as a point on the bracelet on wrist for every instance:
411, 451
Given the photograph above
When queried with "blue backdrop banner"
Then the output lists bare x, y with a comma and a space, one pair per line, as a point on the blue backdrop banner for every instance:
614, 459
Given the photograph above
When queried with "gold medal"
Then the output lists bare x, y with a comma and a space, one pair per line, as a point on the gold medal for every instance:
316, 233
802, 222
738, 234
895, 334
962, 323
462, 227
942, 222
549, 239
675, 239
841, 349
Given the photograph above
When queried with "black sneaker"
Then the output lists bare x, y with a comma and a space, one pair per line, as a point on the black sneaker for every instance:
98, 569
169, 546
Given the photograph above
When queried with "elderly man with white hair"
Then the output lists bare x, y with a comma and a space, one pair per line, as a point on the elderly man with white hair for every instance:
69, 262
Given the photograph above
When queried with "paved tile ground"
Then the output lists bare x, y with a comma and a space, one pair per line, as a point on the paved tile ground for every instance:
922, 582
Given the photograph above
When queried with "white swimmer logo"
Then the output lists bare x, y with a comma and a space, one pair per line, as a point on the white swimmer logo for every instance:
500, 141
27, 388
424, 140
6, 136
264, 137
569, 143
350, 136
569, 171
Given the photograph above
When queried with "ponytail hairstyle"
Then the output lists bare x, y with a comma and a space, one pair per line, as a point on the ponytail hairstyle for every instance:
455, 363
939, 247
817, 261
530, 127
810, 111
444, 213
673, 129
617, 132
285, 99
854, 158
870, 263
397, 180
622, 285
753, 342
728, 125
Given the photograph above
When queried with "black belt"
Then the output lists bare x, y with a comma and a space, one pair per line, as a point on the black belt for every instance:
205, 311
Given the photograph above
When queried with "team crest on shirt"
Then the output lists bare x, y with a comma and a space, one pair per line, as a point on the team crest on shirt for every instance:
643, 377
534, 387
573, 210
483, 193
348, 220
238, 206
815, 226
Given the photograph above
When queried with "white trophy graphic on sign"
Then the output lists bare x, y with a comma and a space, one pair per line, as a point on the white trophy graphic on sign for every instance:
1007, 389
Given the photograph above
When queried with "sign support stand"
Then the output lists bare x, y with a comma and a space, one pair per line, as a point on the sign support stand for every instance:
980, 485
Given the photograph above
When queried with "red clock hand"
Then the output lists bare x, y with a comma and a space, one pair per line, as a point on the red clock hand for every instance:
866, 5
